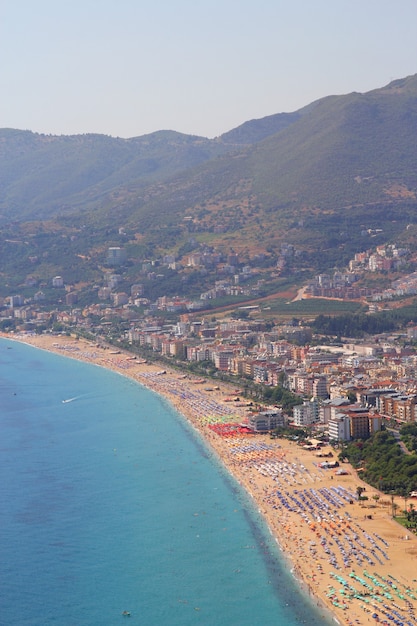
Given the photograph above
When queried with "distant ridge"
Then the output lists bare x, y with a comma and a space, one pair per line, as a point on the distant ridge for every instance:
45, 175
256, 130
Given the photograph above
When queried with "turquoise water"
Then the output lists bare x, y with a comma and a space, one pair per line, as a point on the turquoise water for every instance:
110, 503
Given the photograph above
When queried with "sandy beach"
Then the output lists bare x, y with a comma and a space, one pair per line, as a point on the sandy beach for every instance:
353, 559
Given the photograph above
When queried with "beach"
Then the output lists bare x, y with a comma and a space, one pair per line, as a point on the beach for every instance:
352, 558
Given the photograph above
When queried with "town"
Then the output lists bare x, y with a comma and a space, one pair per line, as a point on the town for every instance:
344, 390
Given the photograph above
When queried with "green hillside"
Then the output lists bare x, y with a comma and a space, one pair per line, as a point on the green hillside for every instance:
319, 178
344, 165
254, 131
346, 150
43, 175
47, 175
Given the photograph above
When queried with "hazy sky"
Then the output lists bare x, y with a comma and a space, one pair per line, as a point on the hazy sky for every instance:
130, 67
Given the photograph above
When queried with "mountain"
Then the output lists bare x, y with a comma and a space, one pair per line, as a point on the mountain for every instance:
318, 178
46, 175
344, 164
343, 153
256, 130
337, 151
346, 150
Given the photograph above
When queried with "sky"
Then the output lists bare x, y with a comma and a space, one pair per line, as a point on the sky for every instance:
127, 68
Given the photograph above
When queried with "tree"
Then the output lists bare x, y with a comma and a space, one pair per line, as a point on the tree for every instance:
282, 378
392, 506
351, 397
405, 496
359, 491
411, 515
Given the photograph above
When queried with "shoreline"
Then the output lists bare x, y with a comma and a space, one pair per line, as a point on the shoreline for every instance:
352, 561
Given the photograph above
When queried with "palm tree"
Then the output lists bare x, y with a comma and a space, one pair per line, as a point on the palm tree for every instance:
404, 494
405, 503
392, 505
411, 515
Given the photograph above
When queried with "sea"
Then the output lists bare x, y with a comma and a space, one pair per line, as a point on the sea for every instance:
113, 510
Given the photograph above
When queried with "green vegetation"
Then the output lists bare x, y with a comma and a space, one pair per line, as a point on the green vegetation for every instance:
408, 434
42, 176
343, 134
308, 307
384, 465
361, 324
272, 395
284, 432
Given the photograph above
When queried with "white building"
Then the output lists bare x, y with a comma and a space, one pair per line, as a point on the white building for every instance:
339, 427
320, 387
116, 256
57, 281
306, 413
